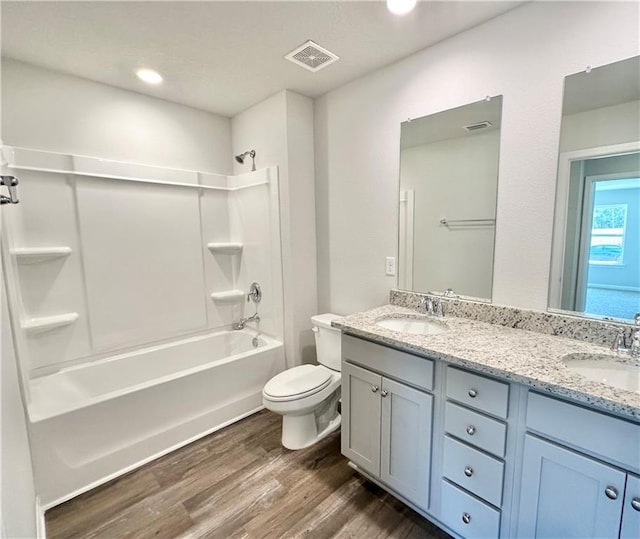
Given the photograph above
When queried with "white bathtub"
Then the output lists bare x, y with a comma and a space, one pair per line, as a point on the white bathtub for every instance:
93, 422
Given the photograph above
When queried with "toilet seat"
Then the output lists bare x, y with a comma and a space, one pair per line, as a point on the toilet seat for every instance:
297, 383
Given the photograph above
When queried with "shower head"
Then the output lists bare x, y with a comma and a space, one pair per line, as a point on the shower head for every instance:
241, 157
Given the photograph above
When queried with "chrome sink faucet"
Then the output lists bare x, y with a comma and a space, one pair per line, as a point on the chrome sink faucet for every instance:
426, 305
432, 307
635, 338
618, 343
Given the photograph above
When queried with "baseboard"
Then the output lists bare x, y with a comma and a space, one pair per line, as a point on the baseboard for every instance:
41, 530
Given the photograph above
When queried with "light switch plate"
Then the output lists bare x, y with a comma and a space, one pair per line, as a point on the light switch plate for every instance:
390, 266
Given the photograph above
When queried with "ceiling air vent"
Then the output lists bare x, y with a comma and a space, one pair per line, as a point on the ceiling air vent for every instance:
311, 56
478, 126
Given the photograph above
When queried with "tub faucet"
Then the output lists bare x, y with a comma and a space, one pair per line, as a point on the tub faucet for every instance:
243, 321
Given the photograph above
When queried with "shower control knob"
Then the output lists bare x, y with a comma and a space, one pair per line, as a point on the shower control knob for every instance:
374, 388
255, 293
471, 430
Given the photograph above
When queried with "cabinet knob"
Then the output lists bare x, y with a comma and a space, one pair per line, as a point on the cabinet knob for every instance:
611, 492
466, 518
635, 503
374, 388
471, 430
473, 393
384, 393
468, 471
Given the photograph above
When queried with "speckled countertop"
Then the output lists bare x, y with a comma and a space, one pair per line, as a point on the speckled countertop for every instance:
527, 357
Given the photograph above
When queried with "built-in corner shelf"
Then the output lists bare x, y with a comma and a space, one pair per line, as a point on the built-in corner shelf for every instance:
225, 248
37, 255
45, 323
228, 296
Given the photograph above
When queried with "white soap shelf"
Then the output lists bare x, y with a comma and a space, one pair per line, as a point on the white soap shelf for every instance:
228, 296
37, 255
225, 248
46, 323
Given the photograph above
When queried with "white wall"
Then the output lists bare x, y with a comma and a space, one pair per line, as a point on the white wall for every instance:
280, 130
47, 110
523, 55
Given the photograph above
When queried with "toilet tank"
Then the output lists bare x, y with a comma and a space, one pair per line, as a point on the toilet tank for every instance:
328, 341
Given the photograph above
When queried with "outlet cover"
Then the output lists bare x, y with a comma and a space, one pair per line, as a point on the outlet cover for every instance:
390, 266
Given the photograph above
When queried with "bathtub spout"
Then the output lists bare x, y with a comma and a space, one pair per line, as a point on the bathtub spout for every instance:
243, 321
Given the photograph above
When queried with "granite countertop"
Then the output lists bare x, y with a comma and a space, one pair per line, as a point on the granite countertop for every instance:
527, 357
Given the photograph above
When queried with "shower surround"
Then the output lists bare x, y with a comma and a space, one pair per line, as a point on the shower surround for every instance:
124, 281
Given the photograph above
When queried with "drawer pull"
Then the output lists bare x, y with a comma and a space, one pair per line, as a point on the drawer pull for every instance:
384, 393
611, 492
466, 518
473, 393
374, 388
471, 430
468, 471
635, 503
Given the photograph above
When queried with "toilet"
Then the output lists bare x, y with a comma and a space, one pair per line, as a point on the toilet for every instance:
307, 397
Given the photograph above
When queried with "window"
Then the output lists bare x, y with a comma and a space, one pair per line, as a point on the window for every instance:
607, 234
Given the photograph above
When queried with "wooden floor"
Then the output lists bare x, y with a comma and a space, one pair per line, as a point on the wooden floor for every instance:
241, 483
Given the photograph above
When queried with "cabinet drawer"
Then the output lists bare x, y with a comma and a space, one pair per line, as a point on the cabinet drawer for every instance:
631, 512
413, 370
606, 436
468, 516
478, 392
473, 470
476, 429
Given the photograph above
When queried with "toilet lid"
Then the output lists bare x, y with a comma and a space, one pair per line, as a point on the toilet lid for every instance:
298, 382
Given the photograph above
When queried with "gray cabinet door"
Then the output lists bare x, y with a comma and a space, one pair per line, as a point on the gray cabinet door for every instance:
406, 441
361, 407
631, 512
566, 494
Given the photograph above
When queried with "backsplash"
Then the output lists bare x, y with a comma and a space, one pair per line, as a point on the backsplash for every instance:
573, 327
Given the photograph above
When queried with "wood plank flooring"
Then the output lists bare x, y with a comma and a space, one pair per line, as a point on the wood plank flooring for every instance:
241, 483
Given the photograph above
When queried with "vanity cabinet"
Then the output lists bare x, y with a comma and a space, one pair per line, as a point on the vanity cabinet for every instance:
473, 465
485, 458
576, 477
566, 494
387, 424
630, 528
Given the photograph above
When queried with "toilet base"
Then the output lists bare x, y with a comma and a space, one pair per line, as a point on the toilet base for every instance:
301, 431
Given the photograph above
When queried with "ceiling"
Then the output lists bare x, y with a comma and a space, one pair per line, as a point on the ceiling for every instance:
224, 57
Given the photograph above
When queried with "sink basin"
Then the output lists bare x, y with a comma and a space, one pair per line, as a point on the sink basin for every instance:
610, 370
415, 326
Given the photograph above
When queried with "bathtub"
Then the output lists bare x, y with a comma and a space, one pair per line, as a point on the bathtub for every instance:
93, 422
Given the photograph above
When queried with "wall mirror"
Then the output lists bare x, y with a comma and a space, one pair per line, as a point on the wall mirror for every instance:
448, 189
595, 264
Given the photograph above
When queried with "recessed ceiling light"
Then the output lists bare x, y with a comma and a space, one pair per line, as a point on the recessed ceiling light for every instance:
400, 7
149, 76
